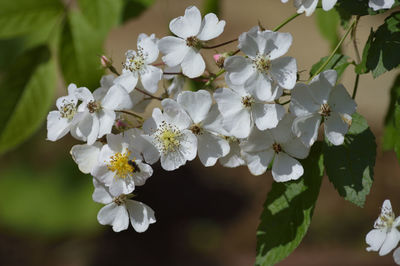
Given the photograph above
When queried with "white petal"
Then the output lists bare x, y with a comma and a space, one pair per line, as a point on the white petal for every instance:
375, 239
233, 158
187, 25
107, 81
380, 4
296, 148
66, 99
322, 85
193, 64
188, 147
150, 78
259, 85
328, 4
121, 186
145, 172
84, 94
283, 132
211, 147
302, 103
106, 120
214, 120
114, 215
196, 104
211, 27
335, 128
396, 256
267, 115
307, 6
284, 72
258, 162
306, 128
285, 168
149, 46
247, 43
172, 160
57, 127
174, 50
116, 99
140, 214
143, 144
239, 69
276, 43
127, 80
174, 114
341, 102
391, 241
257, 141
101, 193
86, 156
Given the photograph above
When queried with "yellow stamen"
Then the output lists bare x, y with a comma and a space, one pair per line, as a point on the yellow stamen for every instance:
120, 164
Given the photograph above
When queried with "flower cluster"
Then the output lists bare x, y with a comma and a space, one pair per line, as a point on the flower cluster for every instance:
386, 236
309, 6
242, 119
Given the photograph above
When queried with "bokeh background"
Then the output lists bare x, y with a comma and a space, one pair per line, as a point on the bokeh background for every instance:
204, 216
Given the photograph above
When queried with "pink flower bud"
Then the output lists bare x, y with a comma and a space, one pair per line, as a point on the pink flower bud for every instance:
105, 62
217, 57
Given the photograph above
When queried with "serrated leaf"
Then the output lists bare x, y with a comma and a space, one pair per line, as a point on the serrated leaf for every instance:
103, 15
23, 16
350, 167
26, 93
80, 48
328, 23
288, 211
391, 133
212, 6
381, 50
339, 63
134, 8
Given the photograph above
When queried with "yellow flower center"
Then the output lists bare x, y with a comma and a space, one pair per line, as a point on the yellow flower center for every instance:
168, 137
262, 63
121, 165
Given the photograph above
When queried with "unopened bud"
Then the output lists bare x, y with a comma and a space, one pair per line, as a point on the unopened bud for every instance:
105, 62
220, 59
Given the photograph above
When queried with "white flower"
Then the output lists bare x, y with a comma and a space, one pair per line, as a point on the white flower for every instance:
322, 99
60, 122
86, 156
205, 124
309, 6
99, 109
263, 66
142, 145
138, 65
192, 31
277, 144
385, 236
169, 133
380, 4
120, 209
241, 110
120, 167
396, 256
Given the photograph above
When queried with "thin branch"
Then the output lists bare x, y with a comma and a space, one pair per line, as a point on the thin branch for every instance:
219, 45
148, 94
130, 113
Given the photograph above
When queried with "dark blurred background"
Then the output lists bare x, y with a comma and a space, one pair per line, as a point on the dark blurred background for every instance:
204, 216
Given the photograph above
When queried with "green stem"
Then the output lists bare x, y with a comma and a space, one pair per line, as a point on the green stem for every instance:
292, 17
334, 51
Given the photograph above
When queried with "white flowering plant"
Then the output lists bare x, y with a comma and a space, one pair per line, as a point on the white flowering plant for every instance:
258, 110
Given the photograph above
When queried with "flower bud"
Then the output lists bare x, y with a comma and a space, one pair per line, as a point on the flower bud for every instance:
105, 62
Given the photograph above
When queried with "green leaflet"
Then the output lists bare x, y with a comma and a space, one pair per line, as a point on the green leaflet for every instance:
26, 93
391, 133
288, 211
80, 48
328, 24
381, 50
212, 6
339, 63
350, 167
23, 16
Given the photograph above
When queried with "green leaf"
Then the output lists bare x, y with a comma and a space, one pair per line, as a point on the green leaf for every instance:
212, 6
350, 167
18, 17
288, 211
134, 8
339, 63
80, 48
26, 94
328, 23
362, 67
381, 50
103, 15
391, 133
